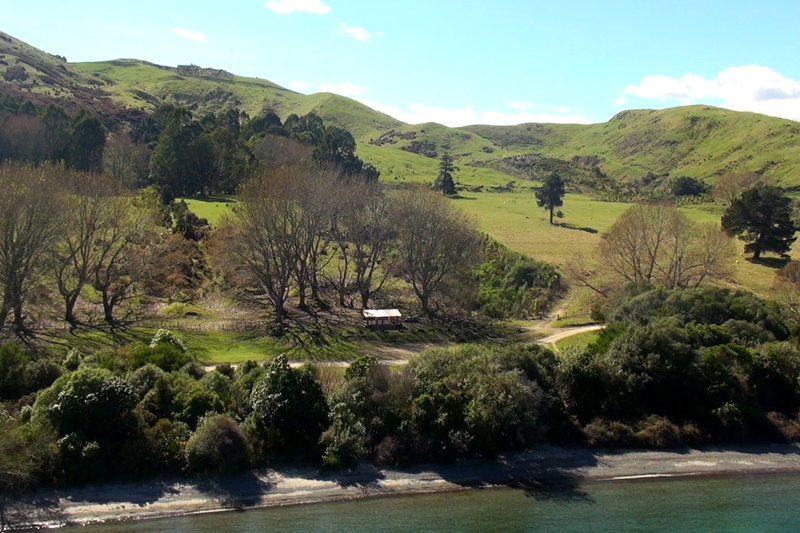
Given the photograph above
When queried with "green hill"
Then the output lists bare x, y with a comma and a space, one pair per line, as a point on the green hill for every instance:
698, 141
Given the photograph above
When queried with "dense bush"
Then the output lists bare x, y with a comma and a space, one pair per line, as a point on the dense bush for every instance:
92, 413
288, 413
218, 445
513, 286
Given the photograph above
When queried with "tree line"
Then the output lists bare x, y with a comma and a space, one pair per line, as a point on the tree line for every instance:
170, 147
680, 367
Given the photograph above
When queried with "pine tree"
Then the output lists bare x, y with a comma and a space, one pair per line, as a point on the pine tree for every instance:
444, 181
762, 218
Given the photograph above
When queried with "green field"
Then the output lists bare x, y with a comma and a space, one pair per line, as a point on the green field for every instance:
211, 209
579, 341
514, 219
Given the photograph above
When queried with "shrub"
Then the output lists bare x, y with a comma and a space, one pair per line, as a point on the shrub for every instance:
165, 336
12, 365
608, 433
41, 374
691, 434
218, 445
144, 378
658, 432
288, 412
165, 355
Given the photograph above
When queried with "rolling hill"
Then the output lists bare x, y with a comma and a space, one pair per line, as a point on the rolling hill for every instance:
698, 141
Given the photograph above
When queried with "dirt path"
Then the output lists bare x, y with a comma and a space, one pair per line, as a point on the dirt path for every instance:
399, 354
568, 332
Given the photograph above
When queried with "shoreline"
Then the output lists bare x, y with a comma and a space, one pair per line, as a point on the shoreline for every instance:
545, 468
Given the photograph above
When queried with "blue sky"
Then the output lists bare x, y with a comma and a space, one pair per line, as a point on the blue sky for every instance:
455, 62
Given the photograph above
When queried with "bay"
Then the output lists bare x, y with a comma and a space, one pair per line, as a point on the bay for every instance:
746, 503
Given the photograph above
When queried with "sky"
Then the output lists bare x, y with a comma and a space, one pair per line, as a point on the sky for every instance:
455, 62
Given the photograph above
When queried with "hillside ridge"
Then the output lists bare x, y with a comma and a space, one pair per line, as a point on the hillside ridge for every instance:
700, 141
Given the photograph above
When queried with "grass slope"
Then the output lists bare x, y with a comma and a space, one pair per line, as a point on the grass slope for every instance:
698, 141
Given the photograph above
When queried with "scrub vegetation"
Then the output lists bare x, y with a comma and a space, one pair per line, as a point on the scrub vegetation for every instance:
174, 242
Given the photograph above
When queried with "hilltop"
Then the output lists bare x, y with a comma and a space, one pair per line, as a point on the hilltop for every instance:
702, 142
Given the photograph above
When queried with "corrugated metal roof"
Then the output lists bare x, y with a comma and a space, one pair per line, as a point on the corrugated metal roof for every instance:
381, 313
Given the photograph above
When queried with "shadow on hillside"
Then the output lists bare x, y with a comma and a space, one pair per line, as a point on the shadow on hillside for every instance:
770, 262
570, 226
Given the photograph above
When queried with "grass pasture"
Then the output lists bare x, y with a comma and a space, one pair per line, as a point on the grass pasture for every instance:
211, 209
515, 220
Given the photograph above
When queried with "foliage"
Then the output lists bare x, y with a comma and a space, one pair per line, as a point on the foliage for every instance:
687, 186
164, 355
762, 217
514, 286
165, 336
444, 180
217, 445
92, 414
476, 401
288, 412
551, 194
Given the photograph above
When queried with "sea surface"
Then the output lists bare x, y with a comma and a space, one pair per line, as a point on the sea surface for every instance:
746, 503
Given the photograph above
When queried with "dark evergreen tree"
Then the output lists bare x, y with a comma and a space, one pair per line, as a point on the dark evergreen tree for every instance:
551, 194
444, 180
182, 158
762, 218
87, 142
57, 130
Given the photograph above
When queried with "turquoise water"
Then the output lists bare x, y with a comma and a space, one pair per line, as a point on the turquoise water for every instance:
755, 503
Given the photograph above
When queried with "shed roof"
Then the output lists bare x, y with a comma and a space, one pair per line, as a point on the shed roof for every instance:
381, 313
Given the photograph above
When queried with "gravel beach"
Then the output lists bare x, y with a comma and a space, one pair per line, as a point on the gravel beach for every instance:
542, 468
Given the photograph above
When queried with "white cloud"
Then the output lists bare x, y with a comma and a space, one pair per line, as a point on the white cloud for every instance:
282, 7
357, 33
188, 34
745, 88
299, 85
345, 88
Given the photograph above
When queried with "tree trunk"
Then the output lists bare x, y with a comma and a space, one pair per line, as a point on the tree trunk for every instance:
551, 215
19, 319
3, 317
108, 308
69, 309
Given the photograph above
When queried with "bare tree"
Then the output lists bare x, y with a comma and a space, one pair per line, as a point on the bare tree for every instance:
30, 213
77, 250
730, 186
264, 226
125, 161
365, 233
314, 190
653, 244
435, 242
121, 251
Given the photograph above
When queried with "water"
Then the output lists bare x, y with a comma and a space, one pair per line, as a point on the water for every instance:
753, 503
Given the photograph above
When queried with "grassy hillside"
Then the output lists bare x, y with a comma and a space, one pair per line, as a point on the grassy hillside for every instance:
699, 141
